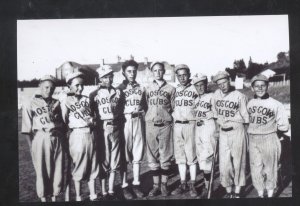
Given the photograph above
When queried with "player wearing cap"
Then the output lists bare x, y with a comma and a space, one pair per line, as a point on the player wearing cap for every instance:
105, 102
77, 114
230, 110
184, 129
134, 108
43, 126
267, 116
160, 97
205, 128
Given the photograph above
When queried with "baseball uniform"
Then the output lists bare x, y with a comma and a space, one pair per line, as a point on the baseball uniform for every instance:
184, 128
160, 98
205, 131
106, 103
267, 115
134, 105
230, 110
77, 114
42, 118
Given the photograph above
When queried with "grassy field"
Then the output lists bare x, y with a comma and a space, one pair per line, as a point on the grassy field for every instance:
27, 191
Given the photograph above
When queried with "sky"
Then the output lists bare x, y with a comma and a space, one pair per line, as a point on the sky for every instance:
206, 44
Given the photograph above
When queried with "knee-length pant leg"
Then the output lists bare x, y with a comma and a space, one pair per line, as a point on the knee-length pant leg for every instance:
47, 159
159, 146
264, 153
232, 156
134, 141
184, 143
205, 144
112, 140
83, 154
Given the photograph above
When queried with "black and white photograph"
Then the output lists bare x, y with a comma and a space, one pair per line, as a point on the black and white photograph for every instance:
154, 108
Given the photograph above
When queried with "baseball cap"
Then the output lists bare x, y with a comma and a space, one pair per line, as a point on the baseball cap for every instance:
198, 77
181, 66
259, 77
156, 62
220, 75
73, 75
48, 78
104, 70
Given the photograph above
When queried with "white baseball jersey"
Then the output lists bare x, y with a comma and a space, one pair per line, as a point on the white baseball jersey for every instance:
77, 113
160, 99
230, 107
266, 116
184, 106
107, 103
204, 107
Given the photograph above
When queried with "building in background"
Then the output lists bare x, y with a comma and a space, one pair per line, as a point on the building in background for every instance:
144, 75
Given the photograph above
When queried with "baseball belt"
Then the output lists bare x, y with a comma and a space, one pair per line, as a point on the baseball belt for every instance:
182, 122
159, 124
227, 129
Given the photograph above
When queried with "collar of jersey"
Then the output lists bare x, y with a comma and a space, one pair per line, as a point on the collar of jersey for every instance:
133, 84
186, 86
266, 96
160, 85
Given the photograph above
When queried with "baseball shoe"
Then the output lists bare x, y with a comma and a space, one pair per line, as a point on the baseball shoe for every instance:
164, 189
180, 189
127, 194
228, 195
193, 192
155, 191
236, 195
204, 193
112, 196
137, 191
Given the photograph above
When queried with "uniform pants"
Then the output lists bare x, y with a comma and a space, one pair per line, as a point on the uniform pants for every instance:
83, 154
159, 146
205, 143
264, 153
184, 143
134, 141
47, 159
111, 147
232, 156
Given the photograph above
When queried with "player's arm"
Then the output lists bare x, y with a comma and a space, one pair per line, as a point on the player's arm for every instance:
65, 112
282, 119
243, 109
27, 121
172, 98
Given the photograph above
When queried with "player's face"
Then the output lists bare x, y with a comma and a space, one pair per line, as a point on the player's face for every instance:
130, 73
158, 72
224, 85
201, 87
260, 88
107, 80
47, 89
76, 86
183, 76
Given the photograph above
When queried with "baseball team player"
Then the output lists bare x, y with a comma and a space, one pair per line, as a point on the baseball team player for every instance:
105, 101
43, 126
184, 129
134, 108
267, 117
76, 113
160, 97
205, 128
230, 110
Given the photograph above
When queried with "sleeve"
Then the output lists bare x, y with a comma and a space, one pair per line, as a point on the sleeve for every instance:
65, 111
243, 108
144, 101
172, 99
93, 105
213, 106
282, 119
27, 118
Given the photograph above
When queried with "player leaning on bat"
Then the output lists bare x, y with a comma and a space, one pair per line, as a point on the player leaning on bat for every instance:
267, 118
230, 111
77, 115
43, 126
106, 104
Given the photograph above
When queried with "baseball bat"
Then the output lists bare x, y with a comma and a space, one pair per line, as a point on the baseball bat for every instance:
212, 171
